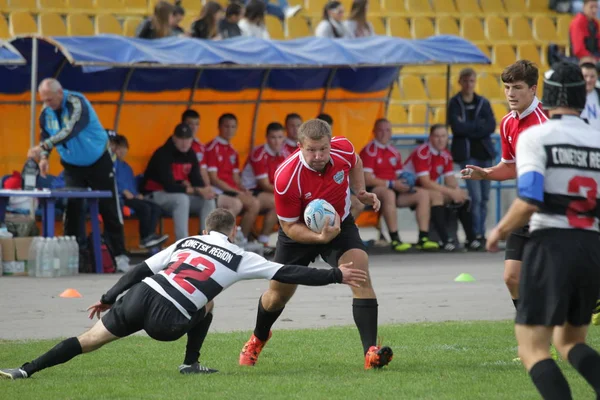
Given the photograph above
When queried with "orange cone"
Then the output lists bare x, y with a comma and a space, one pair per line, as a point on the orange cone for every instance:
70, 293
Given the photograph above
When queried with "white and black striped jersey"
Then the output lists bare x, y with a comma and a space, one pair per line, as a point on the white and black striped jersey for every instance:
558, 169
199, 267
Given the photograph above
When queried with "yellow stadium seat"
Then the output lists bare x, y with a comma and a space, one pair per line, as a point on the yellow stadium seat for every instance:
446, 26
21, 23
444, 7
395, 95
436, 87
537, 6
22, 5
418, 7
472, 29
495, 29
297, 27
492, 7
544, 30
315, 6
485, 49
4, 31
81, 5
439, 115
295, 3
51, 24
466, 7
562, 27
519, 29
79, 25
274, 27
488, 86
417, 115
392, 6
515, 6
378, 25
110, 5
374, 7
421, 28
528, 51
499, 110
503, 56
130, 25
191, 7
397, 114
53, 5
399, 27
108, 24
412, 88
139, 6
3, 5
454, 85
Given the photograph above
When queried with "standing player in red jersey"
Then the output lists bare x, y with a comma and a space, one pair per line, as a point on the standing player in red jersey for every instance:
322, 168
520, 84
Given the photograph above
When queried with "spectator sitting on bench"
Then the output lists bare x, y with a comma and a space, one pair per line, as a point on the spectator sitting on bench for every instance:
172, 180
292, 124
192, 119
429, 162
259, 174
356, 207
382, 164
224, 171
148, 212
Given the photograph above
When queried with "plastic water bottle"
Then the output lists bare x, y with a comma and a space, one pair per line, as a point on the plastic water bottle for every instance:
4, 233
32, 256
30, 172
45, 256
63, 253
240, 239
55, 256
74, 256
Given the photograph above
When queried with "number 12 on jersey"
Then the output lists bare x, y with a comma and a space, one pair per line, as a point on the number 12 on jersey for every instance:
186, 267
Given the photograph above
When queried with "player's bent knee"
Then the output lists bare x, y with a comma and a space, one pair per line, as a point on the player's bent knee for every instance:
209, 307
95, 338
358, 257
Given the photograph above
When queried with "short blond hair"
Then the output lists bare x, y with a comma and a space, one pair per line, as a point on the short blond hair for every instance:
314, 129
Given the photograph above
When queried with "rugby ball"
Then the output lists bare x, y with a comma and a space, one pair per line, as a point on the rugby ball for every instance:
315, 213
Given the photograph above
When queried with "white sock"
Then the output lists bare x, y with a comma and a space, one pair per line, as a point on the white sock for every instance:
264, 239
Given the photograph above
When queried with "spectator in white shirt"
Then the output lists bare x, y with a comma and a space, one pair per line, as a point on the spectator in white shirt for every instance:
591, 112
253, 23
332, 25
357, 24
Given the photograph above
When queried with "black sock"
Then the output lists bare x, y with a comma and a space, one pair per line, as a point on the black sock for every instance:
550, 382
515, 302
364, 312
196, 337
466, 220
438, 218
423, 234
394, 236
587, 362
61, 353
264, 321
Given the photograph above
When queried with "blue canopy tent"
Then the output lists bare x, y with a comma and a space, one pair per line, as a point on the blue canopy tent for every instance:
120, 64
9, 55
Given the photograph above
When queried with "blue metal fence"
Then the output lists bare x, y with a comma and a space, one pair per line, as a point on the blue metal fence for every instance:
411, 141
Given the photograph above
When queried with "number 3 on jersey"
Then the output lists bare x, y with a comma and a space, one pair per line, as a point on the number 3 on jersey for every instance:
578, 207
186, 267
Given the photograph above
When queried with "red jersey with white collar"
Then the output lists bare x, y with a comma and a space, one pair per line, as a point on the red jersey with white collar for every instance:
222, 158
200, 150
290, 145
262, 163
513, 124
296, 184
427, 161
382, 160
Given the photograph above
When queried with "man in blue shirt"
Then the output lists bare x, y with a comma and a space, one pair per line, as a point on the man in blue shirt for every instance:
69, 123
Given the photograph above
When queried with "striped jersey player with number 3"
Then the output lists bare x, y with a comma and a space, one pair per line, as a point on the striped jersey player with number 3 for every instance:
171, 293
558, 168
321, 168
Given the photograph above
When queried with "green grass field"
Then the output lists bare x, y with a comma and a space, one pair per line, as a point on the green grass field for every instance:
453, 360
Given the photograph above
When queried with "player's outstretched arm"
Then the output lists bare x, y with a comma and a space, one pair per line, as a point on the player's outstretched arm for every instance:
133, 276
300, 275
501, 172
